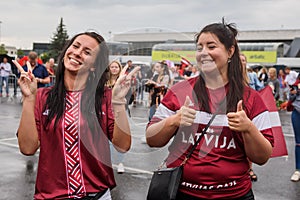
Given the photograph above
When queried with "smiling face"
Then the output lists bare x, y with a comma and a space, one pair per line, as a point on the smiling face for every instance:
211, 55
114, 68
81, 55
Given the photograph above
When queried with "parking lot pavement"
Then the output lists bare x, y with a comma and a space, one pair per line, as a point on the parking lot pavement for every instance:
18, 172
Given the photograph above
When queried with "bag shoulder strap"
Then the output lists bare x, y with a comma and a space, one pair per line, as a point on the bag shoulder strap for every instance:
196, 143
219, 109
198, 140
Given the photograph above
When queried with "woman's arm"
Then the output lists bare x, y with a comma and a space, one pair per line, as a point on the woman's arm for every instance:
159, 134
27, 131
121, 134
257, 147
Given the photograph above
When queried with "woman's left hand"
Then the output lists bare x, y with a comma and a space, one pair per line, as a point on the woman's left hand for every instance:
27, 81
239, 121
122, 85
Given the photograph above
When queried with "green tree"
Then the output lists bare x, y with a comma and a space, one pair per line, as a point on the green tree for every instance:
2, 49
45, 57
20, 53
58, 40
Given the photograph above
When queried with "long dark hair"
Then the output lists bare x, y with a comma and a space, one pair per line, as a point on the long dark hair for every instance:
165, 67
226, 33
93, 93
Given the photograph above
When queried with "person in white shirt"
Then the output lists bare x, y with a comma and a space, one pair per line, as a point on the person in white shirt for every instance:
291, 76
5, 71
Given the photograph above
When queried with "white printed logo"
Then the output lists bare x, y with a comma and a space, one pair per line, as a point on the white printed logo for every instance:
46, 112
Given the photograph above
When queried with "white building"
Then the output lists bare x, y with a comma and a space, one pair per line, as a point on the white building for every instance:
11, 51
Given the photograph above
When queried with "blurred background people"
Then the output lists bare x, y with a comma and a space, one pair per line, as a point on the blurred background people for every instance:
51, 71
40, 72
159, 84
263, 76
273, 82
283, 89
114, 70
291, 76
294, 98
5, 68
250, 76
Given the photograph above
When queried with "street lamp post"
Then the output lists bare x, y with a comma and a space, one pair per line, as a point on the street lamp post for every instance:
0, 31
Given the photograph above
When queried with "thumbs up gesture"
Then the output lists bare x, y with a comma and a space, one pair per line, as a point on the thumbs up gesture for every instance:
239, 121
186, 114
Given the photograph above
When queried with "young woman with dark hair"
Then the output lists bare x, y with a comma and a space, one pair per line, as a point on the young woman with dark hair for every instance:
218, 168
72, 122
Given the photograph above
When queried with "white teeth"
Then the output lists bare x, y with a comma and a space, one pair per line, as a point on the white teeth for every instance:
74, 61
206, 61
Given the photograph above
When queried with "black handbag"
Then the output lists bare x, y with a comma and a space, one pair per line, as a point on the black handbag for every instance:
165, 181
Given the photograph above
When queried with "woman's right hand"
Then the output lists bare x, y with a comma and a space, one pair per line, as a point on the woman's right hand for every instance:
27, 81
187, 114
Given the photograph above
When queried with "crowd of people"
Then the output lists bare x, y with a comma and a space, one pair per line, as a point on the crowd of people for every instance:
79, 120
44, 73
5, 68
280, 80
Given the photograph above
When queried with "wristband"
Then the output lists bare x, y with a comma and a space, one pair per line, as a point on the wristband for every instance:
119, 102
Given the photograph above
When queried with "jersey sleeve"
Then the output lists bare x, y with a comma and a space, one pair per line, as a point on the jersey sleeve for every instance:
39, 110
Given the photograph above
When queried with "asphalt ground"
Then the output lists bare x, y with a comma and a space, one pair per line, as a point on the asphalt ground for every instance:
18, 172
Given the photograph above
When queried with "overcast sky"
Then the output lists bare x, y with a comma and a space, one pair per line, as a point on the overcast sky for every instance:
25, 22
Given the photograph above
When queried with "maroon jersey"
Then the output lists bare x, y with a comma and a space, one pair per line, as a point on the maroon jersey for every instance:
95, 165
218, 167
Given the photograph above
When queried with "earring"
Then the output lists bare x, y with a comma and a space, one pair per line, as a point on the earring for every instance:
92, 70
229, 60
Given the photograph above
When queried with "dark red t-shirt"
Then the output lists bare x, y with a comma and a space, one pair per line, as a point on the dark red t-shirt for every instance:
96, 169
218, 167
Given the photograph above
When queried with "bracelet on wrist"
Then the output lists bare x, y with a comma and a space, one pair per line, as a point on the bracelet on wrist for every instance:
119, 102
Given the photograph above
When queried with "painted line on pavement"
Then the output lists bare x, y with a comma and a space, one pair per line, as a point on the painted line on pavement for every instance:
9, 144
134, 169
7, 139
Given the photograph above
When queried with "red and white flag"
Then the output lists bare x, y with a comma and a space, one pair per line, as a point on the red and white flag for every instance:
185, 61
279, 141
